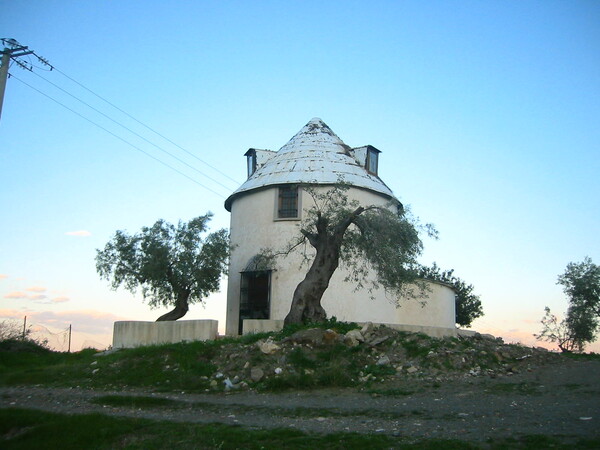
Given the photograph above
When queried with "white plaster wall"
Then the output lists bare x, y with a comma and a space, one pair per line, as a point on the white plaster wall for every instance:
129, 334
253, 228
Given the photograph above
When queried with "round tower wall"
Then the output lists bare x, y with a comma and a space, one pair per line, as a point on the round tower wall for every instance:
254, 227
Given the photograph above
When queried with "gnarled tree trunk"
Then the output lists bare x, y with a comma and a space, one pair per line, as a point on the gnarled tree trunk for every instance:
181, 307
306, 302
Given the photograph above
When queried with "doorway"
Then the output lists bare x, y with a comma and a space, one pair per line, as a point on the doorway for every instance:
255, 296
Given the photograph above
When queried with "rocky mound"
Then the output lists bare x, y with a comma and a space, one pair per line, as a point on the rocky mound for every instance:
366, 358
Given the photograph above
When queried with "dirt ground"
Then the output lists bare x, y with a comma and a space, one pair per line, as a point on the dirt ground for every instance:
561, 399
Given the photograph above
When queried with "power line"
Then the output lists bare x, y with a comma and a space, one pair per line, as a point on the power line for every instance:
14, 52
144, 125
133, 132
118, 137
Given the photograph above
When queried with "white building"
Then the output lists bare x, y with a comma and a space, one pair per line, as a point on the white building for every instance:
266, 212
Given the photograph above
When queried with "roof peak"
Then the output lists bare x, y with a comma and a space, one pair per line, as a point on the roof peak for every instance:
314, 156
314, 133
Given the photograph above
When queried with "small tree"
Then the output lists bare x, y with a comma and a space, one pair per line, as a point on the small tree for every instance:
570, 334
467, 304
581, 283
339, 230
174, 266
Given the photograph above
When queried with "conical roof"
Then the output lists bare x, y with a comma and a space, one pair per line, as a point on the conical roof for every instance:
315, 155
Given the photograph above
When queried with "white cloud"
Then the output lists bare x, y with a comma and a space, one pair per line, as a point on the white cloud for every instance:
60, 299
3, 276
38, 297
16, 294
36, 289
79, 233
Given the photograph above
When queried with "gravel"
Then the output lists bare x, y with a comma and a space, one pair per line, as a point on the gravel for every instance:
557, 399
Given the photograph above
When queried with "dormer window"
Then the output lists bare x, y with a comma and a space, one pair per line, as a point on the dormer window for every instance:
372, 162
251, 161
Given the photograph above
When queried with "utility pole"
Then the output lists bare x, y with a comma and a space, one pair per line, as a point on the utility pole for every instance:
24, 327
12, 52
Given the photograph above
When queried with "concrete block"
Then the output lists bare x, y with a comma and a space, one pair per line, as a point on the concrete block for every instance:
437, 332
261, 326
129, 334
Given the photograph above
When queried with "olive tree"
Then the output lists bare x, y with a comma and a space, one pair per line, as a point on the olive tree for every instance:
467, 304
581, 284
173, 265
383, 239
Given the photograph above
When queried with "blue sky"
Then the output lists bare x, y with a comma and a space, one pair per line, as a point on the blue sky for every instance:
487, 114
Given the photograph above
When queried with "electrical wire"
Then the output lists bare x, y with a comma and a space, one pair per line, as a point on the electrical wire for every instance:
118, 137
143, 124
228, 188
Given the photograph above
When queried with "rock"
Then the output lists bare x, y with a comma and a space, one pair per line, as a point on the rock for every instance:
314, 336
476, 371
229, 385
412, 369
256, 374
383, 361
366, 378
268, 347
377, 340
330, 337
278, 371
213, 384
367, 329
355, 334
351, 341
95, 371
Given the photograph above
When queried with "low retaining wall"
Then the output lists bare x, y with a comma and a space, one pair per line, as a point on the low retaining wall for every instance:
262, 326
128, 334
437, 332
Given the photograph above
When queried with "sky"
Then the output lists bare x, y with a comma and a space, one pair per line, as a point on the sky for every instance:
487, 115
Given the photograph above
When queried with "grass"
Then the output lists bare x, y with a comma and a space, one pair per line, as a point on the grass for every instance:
193, 367
392, 392
523, 388
583, 356
27, 429
176, 366
185, 366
